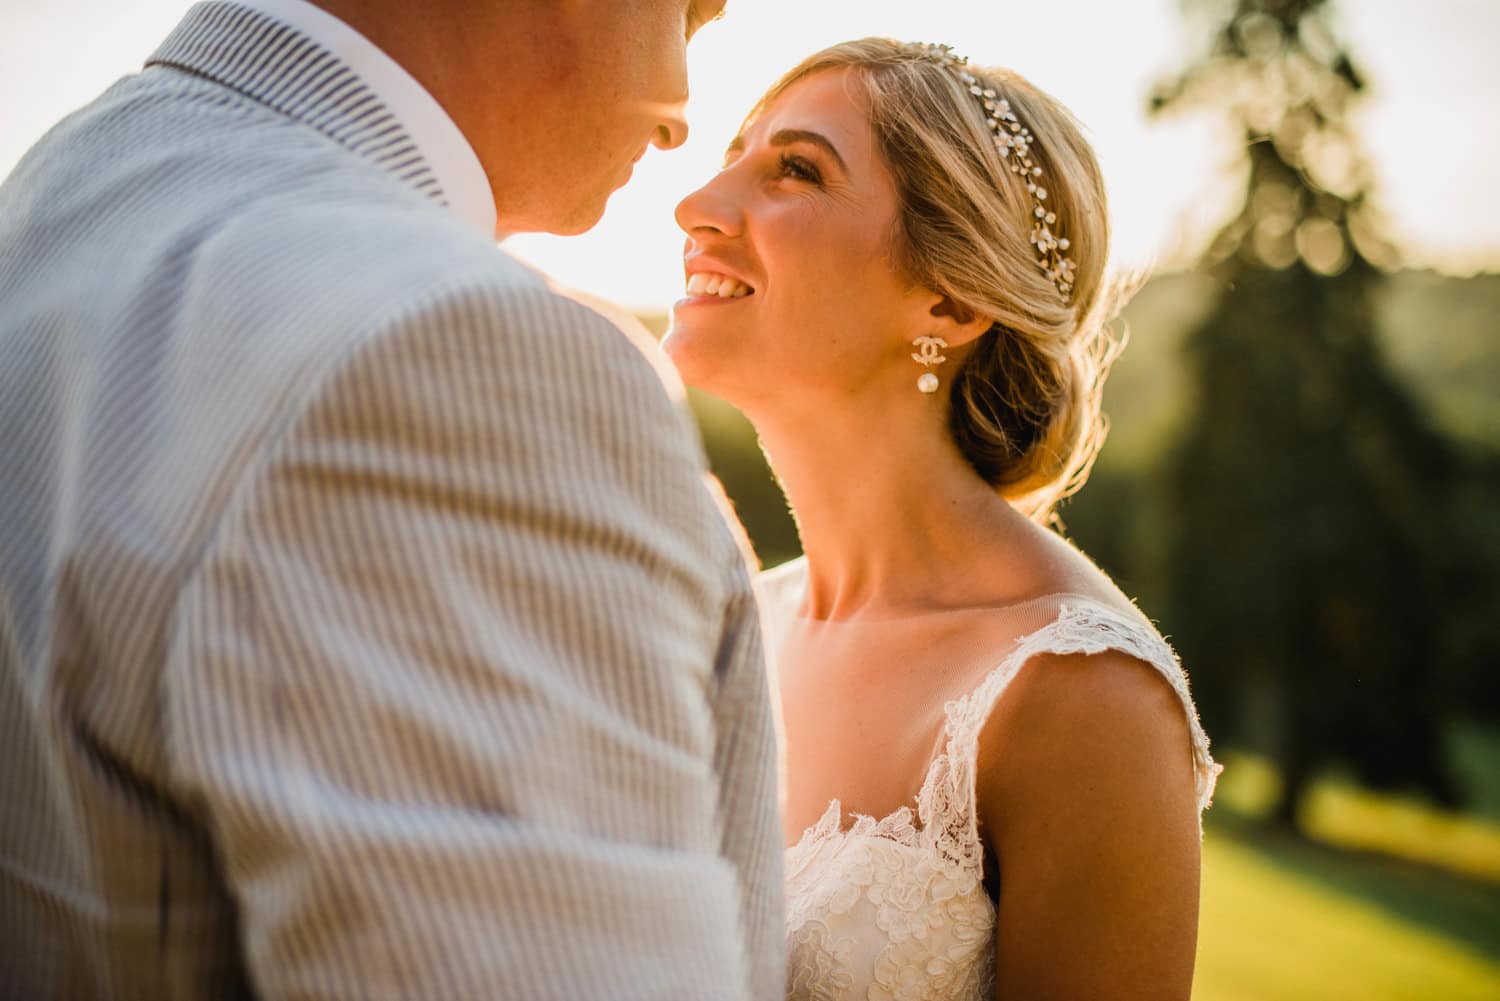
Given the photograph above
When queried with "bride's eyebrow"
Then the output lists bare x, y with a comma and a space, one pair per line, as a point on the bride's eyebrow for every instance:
786, 137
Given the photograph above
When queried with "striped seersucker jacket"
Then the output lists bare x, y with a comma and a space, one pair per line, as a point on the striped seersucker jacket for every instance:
366, 630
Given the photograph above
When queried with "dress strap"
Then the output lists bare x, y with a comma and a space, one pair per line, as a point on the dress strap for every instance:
779, 591
946, 804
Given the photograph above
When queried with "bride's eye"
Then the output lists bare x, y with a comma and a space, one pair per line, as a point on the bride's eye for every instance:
801, 169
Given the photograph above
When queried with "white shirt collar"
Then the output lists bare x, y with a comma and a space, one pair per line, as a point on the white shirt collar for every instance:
442, 145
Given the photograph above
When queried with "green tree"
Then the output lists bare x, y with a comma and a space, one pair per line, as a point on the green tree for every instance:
1306, 492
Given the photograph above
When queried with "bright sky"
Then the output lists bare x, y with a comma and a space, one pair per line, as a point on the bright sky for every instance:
1429, 118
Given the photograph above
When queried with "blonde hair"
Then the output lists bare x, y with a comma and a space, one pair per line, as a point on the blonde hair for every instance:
1025, 404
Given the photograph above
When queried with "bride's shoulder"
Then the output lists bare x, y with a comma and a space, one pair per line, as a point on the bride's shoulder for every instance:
1100, 667
1069, 574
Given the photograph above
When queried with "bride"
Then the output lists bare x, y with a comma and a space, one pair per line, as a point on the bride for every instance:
995, 773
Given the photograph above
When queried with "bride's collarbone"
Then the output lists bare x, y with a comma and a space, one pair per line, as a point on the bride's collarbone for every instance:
943, 655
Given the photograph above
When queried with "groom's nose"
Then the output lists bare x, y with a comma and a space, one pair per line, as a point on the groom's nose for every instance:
672, 128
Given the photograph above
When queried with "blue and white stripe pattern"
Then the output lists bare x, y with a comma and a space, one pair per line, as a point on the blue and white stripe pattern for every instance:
283, 69
365, 628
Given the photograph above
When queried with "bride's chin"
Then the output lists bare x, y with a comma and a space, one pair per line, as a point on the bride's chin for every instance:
690, 359
699, 365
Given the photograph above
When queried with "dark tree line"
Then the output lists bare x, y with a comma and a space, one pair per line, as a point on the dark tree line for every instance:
1310, 506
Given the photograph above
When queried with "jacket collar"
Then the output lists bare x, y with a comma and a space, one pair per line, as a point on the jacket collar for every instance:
284, 69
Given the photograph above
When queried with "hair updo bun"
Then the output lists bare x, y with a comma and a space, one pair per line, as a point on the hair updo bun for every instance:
1024, 405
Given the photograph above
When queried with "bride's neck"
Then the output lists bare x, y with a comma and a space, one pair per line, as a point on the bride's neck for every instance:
890, 513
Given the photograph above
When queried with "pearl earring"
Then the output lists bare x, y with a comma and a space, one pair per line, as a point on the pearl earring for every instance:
928, 354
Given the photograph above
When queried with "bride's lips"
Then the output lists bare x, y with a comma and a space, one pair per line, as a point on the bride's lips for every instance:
717, 270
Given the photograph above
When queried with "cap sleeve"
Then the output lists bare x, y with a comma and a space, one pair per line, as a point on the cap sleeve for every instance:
946, 805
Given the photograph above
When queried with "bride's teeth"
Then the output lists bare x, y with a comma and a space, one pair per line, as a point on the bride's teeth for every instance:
704, 283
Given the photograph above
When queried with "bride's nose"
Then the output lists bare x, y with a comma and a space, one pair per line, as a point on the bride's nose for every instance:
712, 207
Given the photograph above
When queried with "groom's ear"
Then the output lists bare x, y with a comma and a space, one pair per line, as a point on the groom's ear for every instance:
956, 323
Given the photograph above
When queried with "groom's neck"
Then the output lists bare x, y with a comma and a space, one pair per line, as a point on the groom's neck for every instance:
486, 64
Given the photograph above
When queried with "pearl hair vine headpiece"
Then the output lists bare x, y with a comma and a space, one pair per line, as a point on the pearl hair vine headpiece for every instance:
1013, 142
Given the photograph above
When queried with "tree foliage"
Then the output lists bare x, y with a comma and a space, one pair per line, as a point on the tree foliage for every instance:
1308, 498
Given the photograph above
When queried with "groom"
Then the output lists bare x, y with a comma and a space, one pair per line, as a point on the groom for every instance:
365, 628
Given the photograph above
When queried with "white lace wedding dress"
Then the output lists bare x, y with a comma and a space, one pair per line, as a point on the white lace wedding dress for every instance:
895, 909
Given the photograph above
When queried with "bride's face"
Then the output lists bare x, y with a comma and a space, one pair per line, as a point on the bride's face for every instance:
798, 228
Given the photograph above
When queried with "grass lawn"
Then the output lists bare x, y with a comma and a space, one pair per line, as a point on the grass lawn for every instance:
1285, 919
1394, 900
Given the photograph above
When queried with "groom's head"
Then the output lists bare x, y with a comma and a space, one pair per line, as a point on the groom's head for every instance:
559, 98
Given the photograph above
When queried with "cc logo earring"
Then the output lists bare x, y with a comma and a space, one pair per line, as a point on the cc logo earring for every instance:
929, 353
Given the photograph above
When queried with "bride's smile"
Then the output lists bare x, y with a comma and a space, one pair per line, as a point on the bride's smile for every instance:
708, 281
796, 232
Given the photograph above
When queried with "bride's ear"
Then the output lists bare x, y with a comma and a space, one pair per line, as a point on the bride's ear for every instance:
956, 323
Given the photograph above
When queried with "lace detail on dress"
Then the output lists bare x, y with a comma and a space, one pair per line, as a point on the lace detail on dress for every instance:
946, 801
874, 913
895, 908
